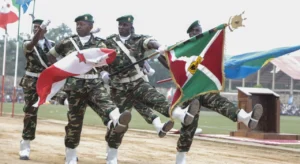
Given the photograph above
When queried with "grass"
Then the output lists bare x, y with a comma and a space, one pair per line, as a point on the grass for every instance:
210, 122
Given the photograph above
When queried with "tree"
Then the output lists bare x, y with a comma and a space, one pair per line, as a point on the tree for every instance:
58, 33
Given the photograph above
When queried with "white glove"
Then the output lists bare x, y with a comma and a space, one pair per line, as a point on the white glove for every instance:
162, 49
45, 24
105, 77
150, 72
147, 69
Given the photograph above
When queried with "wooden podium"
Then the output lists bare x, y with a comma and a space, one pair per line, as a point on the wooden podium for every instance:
269, 124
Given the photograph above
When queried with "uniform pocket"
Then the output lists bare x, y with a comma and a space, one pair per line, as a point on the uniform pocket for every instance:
28, 82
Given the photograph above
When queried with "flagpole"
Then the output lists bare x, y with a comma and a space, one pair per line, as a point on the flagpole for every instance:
33, 15
3, 71
16, 65
164, 80
169, 49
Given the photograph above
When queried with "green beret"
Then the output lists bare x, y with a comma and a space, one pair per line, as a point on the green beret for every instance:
37, 21
126, 18
194, 24
85, 17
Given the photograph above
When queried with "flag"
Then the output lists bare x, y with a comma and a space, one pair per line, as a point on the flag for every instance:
196, 65
24, 4
52, 79
9, 11
241, 66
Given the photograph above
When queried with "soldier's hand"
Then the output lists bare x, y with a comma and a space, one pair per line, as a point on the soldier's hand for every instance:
162, 49
45, 24
105, 77
149, 72
147, 69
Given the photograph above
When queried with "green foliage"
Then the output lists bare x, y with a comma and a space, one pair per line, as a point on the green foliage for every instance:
58, 33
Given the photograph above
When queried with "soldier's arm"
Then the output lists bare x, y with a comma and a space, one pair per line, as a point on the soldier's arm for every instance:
57, 51
28, 46
151, 43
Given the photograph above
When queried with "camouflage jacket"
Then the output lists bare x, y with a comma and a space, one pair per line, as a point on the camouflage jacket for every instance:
136, 44
33, 63
65, 47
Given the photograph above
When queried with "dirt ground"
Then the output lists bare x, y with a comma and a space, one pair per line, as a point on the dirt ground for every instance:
137, 147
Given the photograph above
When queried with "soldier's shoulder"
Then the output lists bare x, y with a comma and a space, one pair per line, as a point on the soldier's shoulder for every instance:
111, 36
139, 36
100, 39
67, 39
73, 36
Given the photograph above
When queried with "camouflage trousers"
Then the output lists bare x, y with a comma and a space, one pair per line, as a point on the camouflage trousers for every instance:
60, 97
30, 119
211, 101
143, 97
146, 112
94, 94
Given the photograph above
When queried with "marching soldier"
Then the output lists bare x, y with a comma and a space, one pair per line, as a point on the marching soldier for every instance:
130, 87
213, 101
87, 89
35, 52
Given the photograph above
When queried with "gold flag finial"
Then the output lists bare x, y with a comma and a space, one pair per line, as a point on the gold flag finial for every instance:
236, 22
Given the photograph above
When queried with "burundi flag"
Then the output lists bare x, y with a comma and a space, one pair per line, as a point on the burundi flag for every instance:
52, 79
241, 66
196, 65
9, 11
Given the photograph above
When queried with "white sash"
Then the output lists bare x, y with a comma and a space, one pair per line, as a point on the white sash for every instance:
38, 55
126, 51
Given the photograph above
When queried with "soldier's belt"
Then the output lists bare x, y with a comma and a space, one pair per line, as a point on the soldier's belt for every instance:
88, 76
32, 74
130, 79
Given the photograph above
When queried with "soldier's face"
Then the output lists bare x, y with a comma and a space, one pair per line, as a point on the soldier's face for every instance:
125, 28
83, 28
36, 28
195, 31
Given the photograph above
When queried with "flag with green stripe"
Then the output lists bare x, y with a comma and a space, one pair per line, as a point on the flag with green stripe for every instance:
196, 65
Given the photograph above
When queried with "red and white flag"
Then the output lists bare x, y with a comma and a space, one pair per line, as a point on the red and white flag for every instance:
52, 79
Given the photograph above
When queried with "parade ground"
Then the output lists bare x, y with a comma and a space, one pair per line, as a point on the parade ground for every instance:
140, 145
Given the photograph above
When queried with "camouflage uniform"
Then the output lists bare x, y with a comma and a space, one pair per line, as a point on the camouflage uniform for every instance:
60, 97
213, 101
82, 92
146, 112
28, 83
129, 89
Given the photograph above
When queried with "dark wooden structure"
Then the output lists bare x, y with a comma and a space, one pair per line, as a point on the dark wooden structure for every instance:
269, 124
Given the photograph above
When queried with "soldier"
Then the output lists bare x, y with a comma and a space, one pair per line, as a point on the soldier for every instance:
146, 112
129, 87
35, 52
87, 89
216, 102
